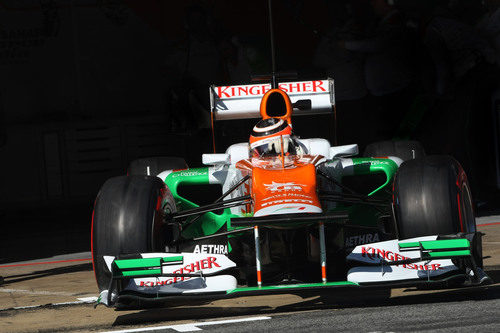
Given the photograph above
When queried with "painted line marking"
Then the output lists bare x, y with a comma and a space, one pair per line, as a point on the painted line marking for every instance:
36, 292
45, 263
88, 299
83, 300
492, 223
189, 327
44, 292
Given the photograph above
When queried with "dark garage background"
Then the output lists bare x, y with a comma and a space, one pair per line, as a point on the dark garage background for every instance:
86, 86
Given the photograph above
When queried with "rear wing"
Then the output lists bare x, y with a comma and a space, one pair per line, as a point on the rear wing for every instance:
243, 102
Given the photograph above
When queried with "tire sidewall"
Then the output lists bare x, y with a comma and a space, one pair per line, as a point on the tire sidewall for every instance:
432, 196
127, 219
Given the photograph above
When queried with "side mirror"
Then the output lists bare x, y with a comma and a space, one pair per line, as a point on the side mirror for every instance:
216, 159
344, 151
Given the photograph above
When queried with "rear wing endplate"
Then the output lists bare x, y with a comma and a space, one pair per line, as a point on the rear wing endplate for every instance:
243, 102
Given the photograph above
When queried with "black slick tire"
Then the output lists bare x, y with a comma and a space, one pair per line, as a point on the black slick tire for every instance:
432, 197
128, 219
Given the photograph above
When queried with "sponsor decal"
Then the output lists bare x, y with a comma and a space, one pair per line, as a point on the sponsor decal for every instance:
211, 248
361, 239
290, 207
372, 253
189, 173
385, 162
281, 187
285, 201
192, 268
261, 89
289, 195
280, 208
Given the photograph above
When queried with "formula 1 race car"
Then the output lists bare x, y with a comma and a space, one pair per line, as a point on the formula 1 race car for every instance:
294, 214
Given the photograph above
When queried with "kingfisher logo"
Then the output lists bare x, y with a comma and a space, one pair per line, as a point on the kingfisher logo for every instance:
281, 187
372, 253
200, 265
254, 90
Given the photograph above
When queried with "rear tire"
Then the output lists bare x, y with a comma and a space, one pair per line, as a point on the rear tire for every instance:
152, 166
405, 150
128, 219
432, 197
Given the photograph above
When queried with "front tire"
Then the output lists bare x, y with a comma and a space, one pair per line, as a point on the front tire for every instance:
128, 219
432, 197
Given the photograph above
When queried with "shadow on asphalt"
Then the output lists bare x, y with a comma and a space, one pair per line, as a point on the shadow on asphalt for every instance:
333, 300
46, 272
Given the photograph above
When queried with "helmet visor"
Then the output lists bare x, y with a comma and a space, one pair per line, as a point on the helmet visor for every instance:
271, 147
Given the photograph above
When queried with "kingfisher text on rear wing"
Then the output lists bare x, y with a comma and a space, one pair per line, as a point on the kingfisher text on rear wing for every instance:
242, 102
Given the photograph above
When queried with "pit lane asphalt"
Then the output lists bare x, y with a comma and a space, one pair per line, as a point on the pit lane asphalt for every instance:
32, 300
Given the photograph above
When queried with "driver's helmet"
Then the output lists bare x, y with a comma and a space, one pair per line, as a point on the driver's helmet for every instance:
270, 136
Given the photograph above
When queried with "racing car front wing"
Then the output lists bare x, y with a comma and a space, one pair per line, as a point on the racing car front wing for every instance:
424, 260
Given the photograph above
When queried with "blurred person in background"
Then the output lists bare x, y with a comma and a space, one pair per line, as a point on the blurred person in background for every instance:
388, 66
3, 125
192, 65
460, 122
454, 44
235, 65
346, 68
489, 28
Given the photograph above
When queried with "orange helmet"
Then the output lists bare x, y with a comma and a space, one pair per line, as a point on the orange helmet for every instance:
269, 136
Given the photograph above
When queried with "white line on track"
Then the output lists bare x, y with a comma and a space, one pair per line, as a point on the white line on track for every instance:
35, 292
43, 292
188, 327
83, 300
